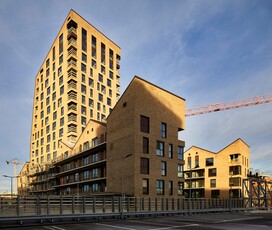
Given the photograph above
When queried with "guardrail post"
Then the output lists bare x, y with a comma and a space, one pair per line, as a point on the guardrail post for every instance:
178, 204
73, 204
167, 203
104, 205
136, 204
18, 206
128, 204
113, 204
143, 204
61, 205
156, 204
84, 204
48, 205
94, 205
162, 204
173, 204
149, 204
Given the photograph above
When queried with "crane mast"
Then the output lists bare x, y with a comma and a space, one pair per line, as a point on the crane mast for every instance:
227, 105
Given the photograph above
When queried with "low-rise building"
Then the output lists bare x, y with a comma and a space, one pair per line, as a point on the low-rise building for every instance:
216, 175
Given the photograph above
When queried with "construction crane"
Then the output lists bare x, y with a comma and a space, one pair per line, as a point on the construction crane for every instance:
15, 163
227, 105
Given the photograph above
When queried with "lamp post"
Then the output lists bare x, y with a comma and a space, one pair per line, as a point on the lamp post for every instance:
11, 183
122, 183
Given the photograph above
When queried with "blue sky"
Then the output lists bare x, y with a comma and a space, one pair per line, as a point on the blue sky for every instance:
204, 51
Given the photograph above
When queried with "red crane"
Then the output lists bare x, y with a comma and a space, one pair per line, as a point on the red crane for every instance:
227, 105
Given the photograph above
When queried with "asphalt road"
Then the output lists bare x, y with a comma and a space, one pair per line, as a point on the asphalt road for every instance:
224, 221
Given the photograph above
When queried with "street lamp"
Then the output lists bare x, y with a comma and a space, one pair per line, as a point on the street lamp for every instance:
122, 183
11, 182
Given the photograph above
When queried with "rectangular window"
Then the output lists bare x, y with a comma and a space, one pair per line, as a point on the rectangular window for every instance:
95, 187
95, 173
144, 124
83, 89
170, 151
180, 152
93, 46
163, 130
60, 43
235, 170
196, 161
86, 175
170, 187
180, 170
160, 148
145, 145
159, 187
213, 183
144, 167
209, 161
85, 188
86, 160
234, 181
84, 40
103, 53
189, 162
60, 59
85, 145
212, 172
163, 168
83, 68
145, 187
95, 157
84, 57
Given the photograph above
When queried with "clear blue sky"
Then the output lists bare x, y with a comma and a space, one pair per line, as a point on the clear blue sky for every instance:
204, 51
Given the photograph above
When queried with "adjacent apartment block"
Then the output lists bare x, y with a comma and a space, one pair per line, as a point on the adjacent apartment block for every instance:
77, 81
136, 152
216, 175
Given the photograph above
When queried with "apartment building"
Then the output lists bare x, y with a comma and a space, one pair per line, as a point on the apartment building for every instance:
77, 81
136, 152
216, 175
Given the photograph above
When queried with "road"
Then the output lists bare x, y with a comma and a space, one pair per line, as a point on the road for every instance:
223, 221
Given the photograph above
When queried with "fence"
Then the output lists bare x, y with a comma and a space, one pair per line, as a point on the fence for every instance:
55, 205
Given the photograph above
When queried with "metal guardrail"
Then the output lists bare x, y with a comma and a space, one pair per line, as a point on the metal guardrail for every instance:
38, 209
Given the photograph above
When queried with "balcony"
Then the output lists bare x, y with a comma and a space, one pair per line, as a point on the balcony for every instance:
72, 95
72, 117
72, 33
72, 62
72, 51
72, 73
72, 84
72, 106
72, 128
72, 42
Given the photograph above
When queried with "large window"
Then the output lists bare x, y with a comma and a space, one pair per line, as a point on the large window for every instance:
145, 187
236, 181
235, 170
196, 161
163, 130
144, 167
212, 172
95, 173
144, 124
95, 187
209, 161
213, 183
145, 145
84, 40
163, 168
180, 170
86, 175
189, 162
170, 151
170, 187
160, 148
159, 187
180, 152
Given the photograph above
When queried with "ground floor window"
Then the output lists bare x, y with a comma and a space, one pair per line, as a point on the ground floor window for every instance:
159, 187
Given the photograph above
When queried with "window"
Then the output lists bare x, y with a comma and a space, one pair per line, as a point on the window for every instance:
95, 187
180, 170
48, 90
83, 121
108, 101
234, 158
163, 130
100, 97
109, 82
83, 68
85, 145
94, 64
83, 89
91, 83
95, 157
144, 124
145, 145
84, 57
86, 175
163, 168
86, 160
189, 163
213, 183
61, 90
209, 161
111, 75
100, 78
144, 168
103, 51
61, 132
196, 161
159, 187
234, 181
95, 173
95, 142
215, 193
212, 172
60, 43
60, 59
235, 170
180, 152
170, 187
83, 110
47, 63
93, 46
170, 151
84, 40
59, 71
62, 121
145, 187
68, 166
160, 148
85, 188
